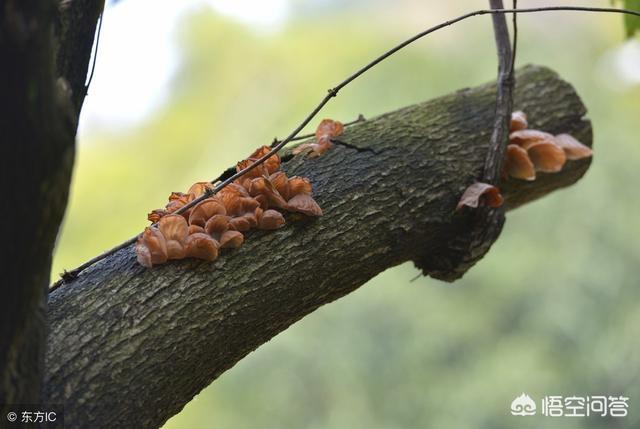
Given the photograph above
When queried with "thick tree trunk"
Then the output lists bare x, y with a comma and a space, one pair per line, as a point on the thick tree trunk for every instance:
40, 106
129, 346
37, 156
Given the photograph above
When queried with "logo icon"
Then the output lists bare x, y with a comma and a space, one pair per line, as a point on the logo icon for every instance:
523, 405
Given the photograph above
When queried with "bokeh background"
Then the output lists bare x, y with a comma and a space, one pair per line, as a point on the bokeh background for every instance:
183, 89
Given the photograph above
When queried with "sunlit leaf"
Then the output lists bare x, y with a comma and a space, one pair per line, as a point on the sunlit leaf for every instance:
632, 22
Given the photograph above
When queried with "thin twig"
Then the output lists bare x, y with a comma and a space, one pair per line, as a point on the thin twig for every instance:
95, 55
359, 119
68, 275
515, 38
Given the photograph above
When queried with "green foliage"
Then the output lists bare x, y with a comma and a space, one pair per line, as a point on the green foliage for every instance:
553, 309
631, 22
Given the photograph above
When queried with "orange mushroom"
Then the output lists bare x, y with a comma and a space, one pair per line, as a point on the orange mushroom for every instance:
270, 219
329, 128
518, 121
271, 164
280, 183
174, 229
231, 239
206, 209
527, 138
547, 157
151, 248
572, 148
517, 163
480, 193
199, 188
303, 203
201, 246
156, 214
195, 228
218, 228
299, 185
263, 186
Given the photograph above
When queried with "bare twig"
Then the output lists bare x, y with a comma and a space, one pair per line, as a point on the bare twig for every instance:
504, 97
515, 38
67, 275
359, 119
95, 54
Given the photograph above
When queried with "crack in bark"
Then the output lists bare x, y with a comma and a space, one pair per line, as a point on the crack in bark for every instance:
357, 148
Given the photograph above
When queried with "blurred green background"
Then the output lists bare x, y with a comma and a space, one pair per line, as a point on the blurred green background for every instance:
554, 308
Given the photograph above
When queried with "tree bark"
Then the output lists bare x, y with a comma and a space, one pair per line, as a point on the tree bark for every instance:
37, 155
130, 346
37, 128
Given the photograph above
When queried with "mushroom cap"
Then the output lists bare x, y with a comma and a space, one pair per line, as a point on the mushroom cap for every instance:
217, 224
330, 128
300, 148
236, 199
199, 188
175, 250
281, 183
305, 204
322, 145
151, 248
299, 185
573, 149
206, 209
270, 219
241, 223
143, 255
263, 186
527, 138
518, 121
231, 239
195, 228
156, 214
258, 171
181, 196
201, 246
480, 192
517, 163
547, 157
271, 164
173, 227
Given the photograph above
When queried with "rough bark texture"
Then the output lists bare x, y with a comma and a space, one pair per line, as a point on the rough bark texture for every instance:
129, 347
37, 129
37, 154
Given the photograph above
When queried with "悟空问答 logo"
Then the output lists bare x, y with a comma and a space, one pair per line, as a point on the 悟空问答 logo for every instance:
523, 405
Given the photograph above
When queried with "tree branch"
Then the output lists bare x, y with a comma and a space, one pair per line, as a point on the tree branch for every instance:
504, 98
129, 347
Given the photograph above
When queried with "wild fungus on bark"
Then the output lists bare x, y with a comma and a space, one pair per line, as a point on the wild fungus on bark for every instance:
542, 151
254, 200
480, 193
151, 248
517, 163
327, 130
175, 230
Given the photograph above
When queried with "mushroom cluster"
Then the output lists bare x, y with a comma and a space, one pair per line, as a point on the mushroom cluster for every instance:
530, 151
327, 130
254, 200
